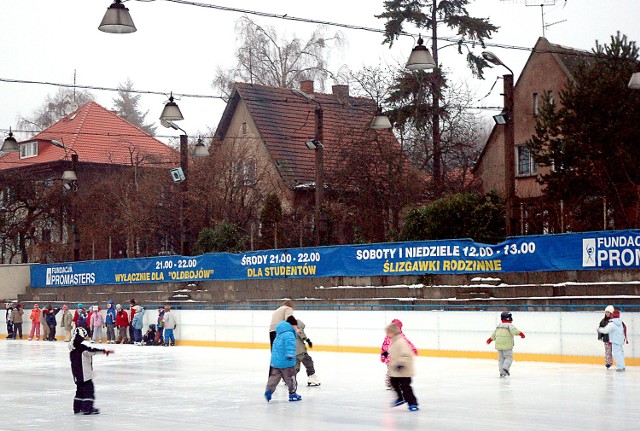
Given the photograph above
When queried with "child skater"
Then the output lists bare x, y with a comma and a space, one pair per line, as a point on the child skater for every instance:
303, 357
503, 335
81, 357
283, 360
384, 352
401, 367
617, 336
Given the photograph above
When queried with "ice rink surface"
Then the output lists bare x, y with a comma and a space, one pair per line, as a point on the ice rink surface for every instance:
200, 388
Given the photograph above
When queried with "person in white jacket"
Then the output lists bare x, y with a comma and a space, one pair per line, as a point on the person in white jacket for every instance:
169, 324
617, 337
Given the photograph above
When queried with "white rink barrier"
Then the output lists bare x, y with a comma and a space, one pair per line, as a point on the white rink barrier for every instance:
550, 336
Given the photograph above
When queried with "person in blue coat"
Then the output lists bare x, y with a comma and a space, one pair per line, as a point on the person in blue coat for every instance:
283, 360
110, 321
137, 324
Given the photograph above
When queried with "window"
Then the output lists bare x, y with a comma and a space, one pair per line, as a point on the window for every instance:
250, 173
245, 172
536, 104
28, 149
526, 164
244, 128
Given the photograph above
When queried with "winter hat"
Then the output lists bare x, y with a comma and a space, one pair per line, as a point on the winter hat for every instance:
95, 308
80, 305
609, 309
292, 320
397, 322
118, 307
137, 308
615, 314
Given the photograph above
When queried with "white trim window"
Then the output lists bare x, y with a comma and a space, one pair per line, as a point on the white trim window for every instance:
525, 164
28, 149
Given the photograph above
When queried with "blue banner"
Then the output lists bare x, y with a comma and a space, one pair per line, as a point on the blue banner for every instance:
579, 251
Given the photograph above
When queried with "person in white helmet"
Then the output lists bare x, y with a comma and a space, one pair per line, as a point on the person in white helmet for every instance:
608, 357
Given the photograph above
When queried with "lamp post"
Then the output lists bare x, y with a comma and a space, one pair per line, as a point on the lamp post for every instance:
171, 113
70, 178
10, 145
507, 118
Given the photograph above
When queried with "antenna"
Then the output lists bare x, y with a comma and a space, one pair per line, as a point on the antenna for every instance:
542, 4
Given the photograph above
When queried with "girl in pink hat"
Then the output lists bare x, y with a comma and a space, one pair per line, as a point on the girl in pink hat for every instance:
35, 322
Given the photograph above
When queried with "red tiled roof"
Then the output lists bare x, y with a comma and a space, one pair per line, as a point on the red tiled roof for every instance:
98, 136
286, 120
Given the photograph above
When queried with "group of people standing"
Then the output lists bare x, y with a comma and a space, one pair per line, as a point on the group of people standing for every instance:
121, 326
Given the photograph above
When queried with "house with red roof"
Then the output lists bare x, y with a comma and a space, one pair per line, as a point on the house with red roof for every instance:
104, 146
547, 71
282, 131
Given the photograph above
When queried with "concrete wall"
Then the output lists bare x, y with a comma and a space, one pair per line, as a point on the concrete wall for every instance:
15, 280
550, 336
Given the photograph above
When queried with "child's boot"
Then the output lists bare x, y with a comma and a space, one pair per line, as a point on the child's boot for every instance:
294, 397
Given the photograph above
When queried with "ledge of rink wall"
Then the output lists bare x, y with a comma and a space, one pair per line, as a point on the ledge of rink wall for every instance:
563, 337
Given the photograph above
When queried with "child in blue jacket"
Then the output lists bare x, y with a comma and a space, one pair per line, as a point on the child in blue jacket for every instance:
283, 360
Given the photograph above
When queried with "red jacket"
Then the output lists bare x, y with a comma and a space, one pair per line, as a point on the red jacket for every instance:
122, 319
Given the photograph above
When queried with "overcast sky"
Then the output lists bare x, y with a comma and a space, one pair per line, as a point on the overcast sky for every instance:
178, 47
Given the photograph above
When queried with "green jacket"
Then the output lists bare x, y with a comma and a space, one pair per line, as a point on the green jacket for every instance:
503, 336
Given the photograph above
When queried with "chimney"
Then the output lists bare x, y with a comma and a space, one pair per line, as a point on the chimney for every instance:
307, 86
341, 91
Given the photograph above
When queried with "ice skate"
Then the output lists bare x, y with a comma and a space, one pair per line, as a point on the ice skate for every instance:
267, 395
413, 408
294, 397
398, 403
506, 372
92, 411
313, 380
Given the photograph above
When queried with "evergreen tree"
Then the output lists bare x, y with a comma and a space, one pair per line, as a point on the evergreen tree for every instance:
429, 15
126, 106
591, 141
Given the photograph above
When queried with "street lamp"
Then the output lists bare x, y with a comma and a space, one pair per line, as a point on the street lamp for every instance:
380, 121
70, 178
171, 113
10, 145
507, 119
420, 58
117, 19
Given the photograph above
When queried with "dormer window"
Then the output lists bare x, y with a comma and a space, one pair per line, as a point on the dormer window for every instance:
28, 149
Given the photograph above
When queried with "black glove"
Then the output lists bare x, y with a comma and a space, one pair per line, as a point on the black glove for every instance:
384, 354
309, 343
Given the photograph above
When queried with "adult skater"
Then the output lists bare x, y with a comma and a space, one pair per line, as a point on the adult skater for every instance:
281, 314
81, 357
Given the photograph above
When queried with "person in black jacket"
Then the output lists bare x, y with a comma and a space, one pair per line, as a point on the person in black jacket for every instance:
81, 357
608, 355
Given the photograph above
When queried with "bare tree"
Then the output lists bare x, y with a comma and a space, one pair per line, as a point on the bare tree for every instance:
55, 107
265, 58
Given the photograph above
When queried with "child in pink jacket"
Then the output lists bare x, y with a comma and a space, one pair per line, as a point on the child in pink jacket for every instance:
96, 321
384, 352
35, 322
